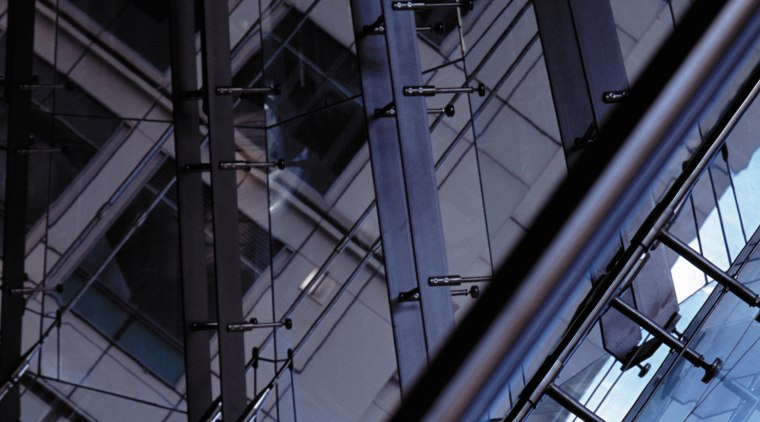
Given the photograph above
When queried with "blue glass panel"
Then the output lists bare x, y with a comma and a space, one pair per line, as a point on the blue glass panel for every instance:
164, 360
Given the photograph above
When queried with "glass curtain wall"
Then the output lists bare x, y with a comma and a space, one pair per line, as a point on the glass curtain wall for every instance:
103, 207
102, 262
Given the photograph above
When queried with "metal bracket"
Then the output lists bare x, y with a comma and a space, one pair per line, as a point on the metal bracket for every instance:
254, 324
743, 292
68, 85
661, 334
204, 325
58, 288
410, 296
232, 90
449, 110
246, 165
197, 168
473, 292
456, 280
375, 28
644, 351
430, 90
388, 110
193, 95
588, 138
234, 165
610, 97
423, 5
437, 28
378, 28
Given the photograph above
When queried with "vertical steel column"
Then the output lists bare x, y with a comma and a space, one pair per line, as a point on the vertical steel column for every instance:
187, 141
583, 61
392, 209
419, 173
20, 54
405, 188
216, 72
571, 404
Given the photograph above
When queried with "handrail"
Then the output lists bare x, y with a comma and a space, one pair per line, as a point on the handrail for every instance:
663, 214
546, 269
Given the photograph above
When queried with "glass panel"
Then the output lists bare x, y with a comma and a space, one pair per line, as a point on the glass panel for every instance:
91, 39
519, 154
548, 410
642, 28
457, 170
744, 162
46, 398
100, 125
312, 225
728, 333
136, 300
120, 18
517, 174
327, 278
308, 50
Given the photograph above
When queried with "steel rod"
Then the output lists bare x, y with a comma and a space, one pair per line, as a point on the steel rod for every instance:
711, 270
500, 332
455, 280
571, 404
231, 90
422, 5
659, 333
192, 252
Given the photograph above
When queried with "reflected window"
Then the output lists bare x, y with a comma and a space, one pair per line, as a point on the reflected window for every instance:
121, 17
136, 301
316, 73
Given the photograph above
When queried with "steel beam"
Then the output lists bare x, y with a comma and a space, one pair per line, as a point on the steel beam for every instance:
216, 72
571, 404
419, 173
19, 59
388, 176
743, 292
583, 61
405, 189
187, 142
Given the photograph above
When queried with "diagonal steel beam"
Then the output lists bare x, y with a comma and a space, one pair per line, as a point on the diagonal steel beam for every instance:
405, 187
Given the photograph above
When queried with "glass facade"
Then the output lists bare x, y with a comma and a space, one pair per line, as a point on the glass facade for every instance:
326, 321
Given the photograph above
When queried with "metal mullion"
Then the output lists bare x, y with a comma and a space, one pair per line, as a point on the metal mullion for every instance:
583, 60
602, 59
419, 174
187, 141
388, 175
217, 72
565, 72
19, 68
571, 404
